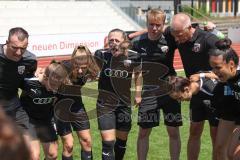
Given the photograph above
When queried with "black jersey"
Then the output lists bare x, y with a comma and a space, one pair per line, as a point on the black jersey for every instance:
208, 85
12, 73
222, 90
115, 75
37, 101
224, 100
206, 88
158, 51
194, 53
234, 83
104, 82
157, 63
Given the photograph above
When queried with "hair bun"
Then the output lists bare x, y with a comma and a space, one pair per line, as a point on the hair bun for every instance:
223, 44
54, 61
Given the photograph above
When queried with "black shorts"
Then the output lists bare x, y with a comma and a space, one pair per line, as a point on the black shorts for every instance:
227, 110
114, 116
231, 110
149, 112
77, 124
15, 111
226, 104
201, 109
45, 132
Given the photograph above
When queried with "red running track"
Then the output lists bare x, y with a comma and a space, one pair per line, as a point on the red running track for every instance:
43, 62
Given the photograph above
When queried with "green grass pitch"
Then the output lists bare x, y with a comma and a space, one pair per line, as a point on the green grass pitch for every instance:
158, 149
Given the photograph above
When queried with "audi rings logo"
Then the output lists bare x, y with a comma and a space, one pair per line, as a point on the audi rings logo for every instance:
116, 73
43, 100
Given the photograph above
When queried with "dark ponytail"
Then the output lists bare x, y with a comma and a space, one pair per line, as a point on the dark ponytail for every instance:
223, 44
223, 48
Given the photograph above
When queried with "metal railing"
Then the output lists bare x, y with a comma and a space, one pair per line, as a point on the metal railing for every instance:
137, 9
133, 13
138, 14
201, 16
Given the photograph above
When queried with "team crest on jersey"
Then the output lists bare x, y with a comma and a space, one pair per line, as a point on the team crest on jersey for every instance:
21, 69
164, 49
127, 63
196, 47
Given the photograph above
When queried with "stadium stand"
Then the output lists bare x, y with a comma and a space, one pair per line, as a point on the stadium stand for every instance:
60, 17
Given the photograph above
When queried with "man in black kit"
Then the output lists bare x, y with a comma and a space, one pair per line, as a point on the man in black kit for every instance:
16, 63
193, 45
157, 64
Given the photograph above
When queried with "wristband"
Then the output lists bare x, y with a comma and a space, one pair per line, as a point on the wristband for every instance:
202, 75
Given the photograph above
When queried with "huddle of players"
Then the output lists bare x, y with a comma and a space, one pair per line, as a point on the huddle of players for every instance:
39, 96
33, 111
55, 93
151, 56
212, 86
